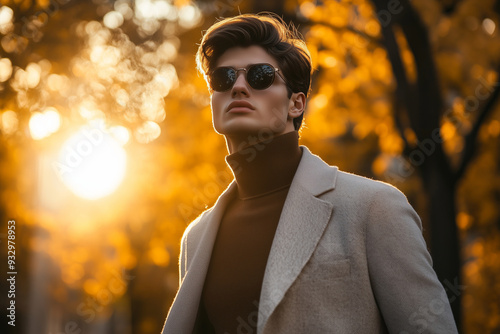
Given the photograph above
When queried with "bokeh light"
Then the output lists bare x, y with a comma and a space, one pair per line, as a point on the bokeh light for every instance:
9, 122
6, 16
42, 124
113, 19
5, 69
489, 26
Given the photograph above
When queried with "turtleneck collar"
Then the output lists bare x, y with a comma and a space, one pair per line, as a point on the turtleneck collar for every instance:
267, 166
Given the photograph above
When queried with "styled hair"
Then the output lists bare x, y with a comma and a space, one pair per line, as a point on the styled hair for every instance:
284, 43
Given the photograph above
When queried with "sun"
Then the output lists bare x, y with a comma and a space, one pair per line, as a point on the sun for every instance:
92, 162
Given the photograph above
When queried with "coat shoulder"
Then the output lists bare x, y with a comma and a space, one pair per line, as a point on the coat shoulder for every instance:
363, 186
197, 224
320, 178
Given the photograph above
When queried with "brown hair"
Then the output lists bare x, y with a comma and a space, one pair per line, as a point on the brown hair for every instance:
268, 31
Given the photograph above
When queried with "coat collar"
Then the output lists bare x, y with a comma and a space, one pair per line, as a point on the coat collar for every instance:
315, 175
302, 223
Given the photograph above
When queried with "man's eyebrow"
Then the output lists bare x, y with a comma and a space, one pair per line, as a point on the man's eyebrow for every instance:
249, 64
229, 65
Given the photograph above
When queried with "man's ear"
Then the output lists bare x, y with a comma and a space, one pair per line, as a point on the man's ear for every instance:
297, 105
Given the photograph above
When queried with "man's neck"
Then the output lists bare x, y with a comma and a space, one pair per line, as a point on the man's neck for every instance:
265, 166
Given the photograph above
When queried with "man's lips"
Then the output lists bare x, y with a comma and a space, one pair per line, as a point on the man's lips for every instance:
240, 106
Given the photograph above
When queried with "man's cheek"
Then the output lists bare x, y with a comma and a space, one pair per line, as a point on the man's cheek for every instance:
277, 117
217, 111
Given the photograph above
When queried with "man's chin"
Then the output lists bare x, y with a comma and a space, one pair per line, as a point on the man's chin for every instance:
243, 131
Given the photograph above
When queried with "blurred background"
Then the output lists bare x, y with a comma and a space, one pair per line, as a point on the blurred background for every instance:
107, 150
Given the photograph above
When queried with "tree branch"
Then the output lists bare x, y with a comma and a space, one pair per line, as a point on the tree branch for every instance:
471, 138
398, 111
405, 95
348, 28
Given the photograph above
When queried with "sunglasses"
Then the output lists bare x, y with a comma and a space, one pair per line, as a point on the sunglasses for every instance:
258, 76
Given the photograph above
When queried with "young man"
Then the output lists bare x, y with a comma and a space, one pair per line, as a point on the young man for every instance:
294, 245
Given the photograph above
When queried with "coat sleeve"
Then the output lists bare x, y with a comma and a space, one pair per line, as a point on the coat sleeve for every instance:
183, 258
406, 288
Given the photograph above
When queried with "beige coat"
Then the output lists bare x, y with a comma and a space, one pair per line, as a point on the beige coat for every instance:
348, 257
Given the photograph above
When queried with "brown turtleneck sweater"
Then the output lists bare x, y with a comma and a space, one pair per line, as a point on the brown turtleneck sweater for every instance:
263, 174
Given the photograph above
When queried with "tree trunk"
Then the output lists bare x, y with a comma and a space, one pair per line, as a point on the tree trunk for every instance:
422, 102
444, 243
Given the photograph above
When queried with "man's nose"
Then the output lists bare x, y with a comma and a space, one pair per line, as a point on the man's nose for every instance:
240, 85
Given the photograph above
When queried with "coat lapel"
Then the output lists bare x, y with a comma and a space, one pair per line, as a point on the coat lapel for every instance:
302, 223
182, 316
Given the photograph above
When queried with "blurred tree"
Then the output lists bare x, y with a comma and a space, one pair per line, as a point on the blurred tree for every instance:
420, 107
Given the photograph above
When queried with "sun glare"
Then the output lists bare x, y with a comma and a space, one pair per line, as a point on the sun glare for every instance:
92, 163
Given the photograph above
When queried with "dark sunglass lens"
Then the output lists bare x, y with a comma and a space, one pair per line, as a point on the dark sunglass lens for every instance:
260, 76
222, 79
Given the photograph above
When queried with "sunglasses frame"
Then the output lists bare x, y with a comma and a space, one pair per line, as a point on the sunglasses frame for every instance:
246, 69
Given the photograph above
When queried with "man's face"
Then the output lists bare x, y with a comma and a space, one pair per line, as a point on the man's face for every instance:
244, 111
